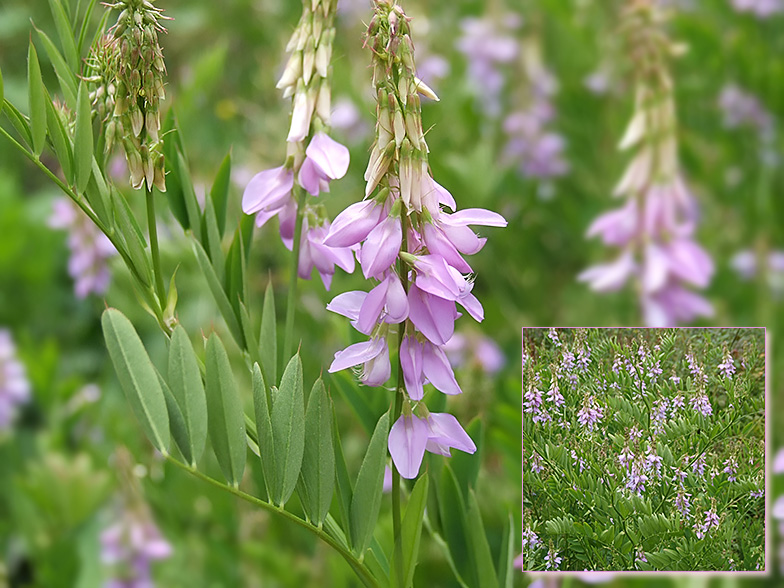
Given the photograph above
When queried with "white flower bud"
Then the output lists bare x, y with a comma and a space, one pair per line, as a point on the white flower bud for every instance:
323, 54
308, 62
425, 90
301, 114
400, 128
323, 103
292, 72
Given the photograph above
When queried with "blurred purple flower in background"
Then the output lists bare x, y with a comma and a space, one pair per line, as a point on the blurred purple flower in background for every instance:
90, 248
14, 385
474, 349
530, 143
488, 44
759, 8
746, 265
743, 110
128, 548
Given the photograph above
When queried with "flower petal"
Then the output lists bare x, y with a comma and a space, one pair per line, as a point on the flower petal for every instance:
407, 440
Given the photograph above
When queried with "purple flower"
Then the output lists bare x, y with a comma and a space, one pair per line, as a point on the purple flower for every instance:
424, 362
354, 224
682, 504
590, 413
536, 463
476, 350
554, 395
325, 160
552, 560
553, 334
90, 249
760, 8
731, 468
268, 192
433, 316
410, 436
698, 467
727, 367
373, 354
129, 547
14, 385
314, 253
700, 403
381, 247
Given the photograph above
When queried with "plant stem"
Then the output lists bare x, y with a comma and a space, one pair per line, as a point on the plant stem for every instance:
292, 298
156, 256
396, 518
359, 568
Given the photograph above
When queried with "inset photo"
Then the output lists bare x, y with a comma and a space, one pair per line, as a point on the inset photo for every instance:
644, 449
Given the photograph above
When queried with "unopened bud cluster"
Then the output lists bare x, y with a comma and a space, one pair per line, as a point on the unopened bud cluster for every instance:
306, 75
139, 88
102, 67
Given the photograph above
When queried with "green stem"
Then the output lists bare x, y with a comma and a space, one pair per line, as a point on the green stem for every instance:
118, 245
358, 567
156, 256
292, 298
399, 393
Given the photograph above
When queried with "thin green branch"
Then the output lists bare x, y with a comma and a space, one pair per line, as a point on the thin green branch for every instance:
152, 227
359, 568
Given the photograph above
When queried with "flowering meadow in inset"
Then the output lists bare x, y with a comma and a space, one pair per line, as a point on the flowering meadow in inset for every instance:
643, 449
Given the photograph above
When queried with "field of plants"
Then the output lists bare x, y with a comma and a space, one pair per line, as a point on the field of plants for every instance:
264, 266
644, 449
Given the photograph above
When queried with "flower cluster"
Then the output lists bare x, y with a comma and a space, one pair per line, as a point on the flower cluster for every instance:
590, 413
727, 367
282, 191
129, 547
102, 66
711, 521
14, 385
139, 89
655, 228
413, 248
90, 248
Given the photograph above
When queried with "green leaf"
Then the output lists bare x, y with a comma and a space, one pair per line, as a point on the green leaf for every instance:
252, 344
483, 558
343, 480
211, 240
268, 340
65, 74
452, 511
236, 284
2, 92
65, 33
188, 390
226, 420
318, 460
366, 501
410, 534
506, 556
189, 196
288, 430
83, 138
134, 239
19, 121
264, 430
218, 293
219, 193
60, 141
37, 100
137, 377
179, 431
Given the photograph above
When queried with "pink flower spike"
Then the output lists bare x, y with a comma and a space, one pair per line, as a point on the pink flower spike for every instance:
444, 432
397, 301
437, 369
616, 227
371, 308
433, 316
381, 247
354, 224
268, 189
407, 441
607, 277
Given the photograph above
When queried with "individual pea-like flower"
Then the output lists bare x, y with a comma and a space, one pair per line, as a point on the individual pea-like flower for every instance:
14, 385
90, 249
411, 435
654, 229
412, 248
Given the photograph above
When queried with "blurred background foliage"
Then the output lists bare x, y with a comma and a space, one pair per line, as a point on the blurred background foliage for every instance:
61, 484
